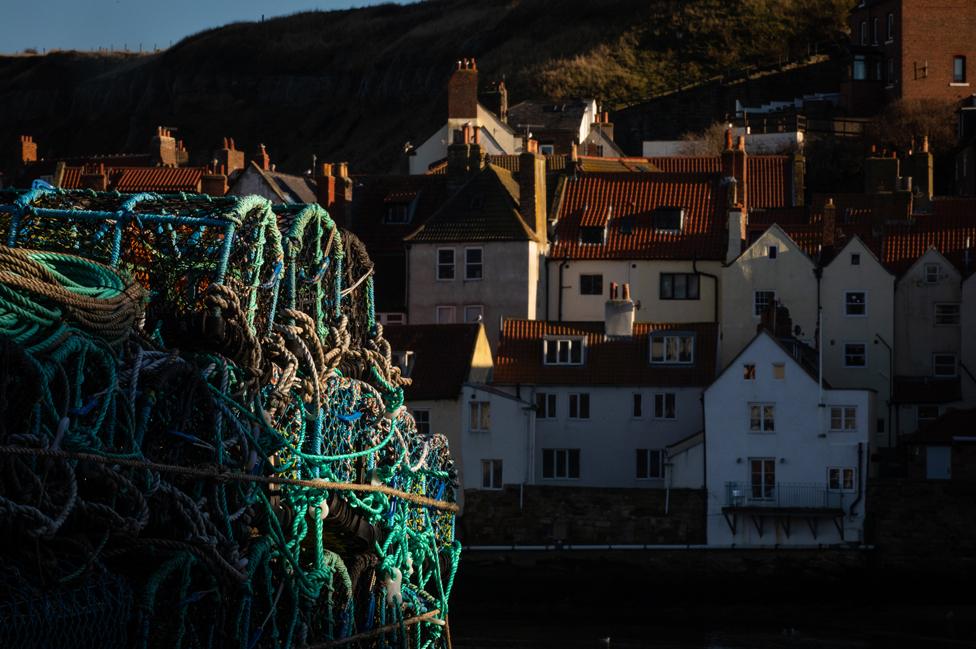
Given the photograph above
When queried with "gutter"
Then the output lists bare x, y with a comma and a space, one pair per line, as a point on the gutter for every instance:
714, 278
862, 477
562, 266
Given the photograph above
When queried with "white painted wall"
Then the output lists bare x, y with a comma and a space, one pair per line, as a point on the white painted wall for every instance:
917, 336
644, 277
509, 287
801, 445
790, 275
756, 144
508, 438
607, 441
688, 468
840, 276
496, 139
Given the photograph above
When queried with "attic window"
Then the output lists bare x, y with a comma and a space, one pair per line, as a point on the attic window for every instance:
676, 348
563, 351
772, 251
397, 213
592, 235
932, 272
668, 218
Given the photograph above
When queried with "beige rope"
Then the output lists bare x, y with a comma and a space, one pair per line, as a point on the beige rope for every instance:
224, 476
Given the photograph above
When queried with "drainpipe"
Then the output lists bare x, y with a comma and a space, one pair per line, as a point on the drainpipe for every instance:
714, 278
862, 475
891, 383
546, 266
562, 266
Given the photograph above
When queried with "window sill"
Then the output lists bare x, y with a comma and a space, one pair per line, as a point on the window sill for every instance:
956, 84
473, 279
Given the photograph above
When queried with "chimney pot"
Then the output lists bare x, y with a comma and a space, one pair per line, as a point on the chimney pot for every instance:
728, 139
625, 292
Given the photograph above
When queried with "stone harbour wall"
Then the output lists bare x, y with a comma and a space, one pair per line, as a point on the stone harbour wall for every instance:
581, 516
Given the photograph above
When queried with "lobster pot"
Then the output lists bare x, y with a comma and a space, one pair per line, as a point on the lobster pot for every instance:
313, 248
175, 246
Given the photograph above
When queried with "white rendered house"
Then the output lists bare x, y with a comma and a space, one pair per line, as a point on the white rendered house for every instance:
786, 459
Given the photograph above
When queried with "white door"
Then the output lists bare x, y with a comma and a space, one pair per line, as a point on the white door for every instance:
938, 460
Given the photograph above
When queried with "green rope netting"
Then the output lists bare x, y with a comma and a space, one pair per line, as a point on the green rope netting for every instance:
238, 372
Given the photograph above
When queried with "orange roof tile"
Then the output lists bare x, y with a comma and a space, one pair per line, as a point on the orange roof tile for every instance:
626, 200
769, 178
608, 361
950, 229
142, 179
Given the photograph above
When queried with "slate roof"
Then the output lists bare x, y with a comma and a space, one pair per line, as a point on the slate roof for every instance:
289, 188
926, 389
371, 196
945, 430
769, 178
142, 179
625, 200
608, 361
566, 115
442, 357
484, 209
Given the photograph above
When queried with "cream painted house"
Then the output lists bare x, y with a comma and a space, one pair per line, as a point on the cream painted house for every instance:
857, 296
440, 360
477, 258
928, 340
773, 269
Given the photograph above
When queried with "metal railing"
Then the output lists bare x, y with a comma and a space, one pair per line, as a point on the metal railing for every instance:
785, 495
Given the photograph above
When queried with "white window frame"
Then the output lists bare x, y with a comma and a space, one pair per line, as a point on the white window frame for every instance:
648, 454
582, 275
764, 495
691, 280
932, 273
764, 428
848, 304
748, 371
445, 308
666, 346
479, 416
392, 318
421, 411
480, 314
468, 264
842, 473
578, 398
864, 354
404, 360
438, 264
756, 313
936, 315
488, 476
955, 364
661, 399
549, 405
779, 371
559, 342
846, 415
565, 468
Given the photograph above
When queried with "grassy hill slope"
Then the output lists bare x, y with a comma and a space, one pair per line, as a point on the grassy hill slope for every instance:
357, 84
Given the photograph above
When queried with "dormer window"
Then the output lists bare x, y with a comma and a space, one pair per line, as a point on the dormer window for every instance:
592, 235
563, 351
403, 360
397, 213
673, 348
669, 219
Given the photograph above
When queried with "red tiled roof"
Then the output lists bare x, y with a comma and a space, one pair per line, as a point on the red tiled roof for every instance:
950, 229
608, 361
442, 357
142, 179
372, 194
505, 161
629, 199
769, 178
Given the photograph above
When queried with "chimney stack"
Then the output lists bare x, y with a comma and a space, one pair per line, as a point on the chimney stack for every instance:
93, 176
163, 148
342, 207
829, 224
921, 167
262, 159
532, 189
618, 320
228, 156
462, 91
604, 125
734, 166
325, 186
881, 172
737, 222
459, 156
214, 182
28, 150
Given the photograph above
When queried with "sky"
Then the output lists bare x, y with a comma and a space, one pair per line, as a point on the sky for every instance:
120, 24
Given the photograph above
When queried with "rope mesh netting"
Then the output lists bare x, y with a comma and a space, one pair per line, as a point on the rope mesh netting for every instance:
203, 441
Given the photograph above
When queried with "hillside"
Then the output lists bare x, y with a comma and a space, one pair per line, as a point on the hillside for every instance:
357, 84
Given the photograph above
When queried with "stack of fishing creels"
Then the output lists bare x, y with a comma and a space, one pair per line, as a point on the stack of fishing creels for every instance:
203, 441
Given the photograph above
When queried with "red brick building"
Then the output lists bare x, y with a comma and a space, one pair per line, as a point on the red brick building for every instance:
910, 49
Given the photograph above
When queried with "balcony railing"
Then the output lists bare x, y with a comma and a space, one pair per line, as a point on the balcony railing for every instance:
785, 495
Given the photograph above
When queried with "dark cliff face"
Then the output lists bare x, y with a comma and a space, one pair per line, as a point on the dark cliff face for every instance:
345, 85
